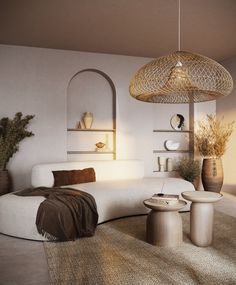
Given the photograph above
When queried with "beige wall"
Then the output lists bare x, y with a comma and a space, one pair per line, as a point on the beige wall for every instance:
227, 107
35, 81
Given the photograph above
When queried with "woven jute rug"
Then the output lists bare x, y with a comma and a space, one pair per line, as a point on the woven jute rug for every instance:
118, 254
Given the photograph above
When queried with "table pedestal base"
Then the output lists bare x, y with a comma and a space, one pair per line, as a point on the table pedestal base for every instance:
164, 228
201, 223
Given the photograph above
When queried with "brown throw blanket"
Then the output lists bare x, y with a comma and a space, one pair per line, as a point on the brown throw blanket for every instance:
66, 214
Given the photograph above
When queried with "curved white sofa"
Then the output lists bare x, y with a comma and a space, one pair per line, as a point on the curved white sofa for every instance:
119, 190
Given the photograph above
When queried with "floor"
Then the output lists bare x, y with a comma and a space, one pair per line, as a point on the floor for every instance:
23, 262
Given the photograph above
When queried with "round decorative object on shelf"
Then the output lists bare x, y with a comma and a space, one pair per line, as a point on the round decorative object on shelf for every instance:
100, 146
170, 145
177, 122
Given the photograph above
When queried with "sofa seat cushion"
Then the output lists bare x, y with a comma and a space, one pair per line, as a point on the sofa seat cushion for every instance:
125, 197
114, 199
18, 216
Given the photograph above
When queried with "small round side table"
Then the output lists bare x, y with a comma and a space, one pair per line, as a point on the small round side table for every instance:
164, 223
201, 215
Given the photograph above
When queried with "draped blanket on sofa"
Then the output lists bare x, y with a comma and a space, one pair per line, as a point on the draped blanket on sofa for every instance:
65, 214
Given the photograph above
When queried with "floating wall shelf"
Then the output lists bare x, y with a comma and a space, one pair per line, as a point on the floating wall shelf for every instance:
91, 130
185, 137
173, 171
171, 151
171, 131
89, 152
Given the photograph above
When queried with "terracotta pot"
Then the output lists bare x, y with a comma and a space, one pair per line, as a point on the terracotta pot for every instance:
5, 182
212, 174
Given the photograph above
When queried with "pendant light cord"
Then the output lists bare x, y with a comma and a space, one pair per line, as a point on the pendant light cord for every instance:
179, 28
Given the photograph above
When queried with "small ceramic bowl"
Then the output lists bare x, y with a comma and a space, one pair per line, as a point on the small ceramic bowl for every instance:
171, 145
100, 145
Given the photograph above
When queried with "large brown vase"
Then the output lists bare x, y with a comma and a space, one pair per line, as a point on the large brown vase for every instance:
212, 174
5, 182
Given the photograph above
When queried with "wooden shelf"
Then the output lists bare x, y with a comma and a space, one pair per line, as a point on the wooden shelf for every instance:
171, 151
91, 130
171, 131
157, 171
90, 152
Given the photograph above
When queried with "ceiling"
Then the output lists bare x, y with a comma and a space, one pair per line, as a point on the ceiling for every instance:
129, 27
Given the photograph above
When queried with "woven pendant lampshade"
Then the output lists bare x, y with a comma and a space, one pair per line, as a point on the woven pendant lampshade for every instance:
181, 77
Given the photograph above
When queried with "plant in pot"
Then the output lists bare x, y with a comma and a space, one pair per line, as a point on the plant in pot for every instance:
211, 138
189, 169
12, 132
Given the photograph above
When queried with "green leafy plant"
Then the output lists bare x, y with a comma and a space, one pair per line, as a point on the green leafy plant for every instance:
188, 169
212, 136
12, 132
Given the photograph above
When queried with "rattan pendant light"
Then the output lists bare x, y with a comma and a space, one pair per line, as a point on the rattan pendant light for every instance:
181, 77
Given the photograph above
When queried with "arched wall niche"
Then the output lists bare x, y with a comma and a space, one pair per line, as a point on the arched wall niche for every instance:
91, 90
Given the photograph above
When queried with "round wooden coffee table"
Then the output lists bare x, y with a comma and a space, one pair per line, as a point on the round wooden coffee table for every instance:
201, 215
164, 223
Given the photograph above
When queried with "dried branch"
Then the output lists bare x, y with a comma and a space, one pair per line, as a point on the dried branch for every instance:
212, 136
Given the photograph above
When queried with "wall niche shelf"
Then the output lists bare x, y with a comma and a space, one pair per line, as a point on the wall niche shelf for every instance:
99, 98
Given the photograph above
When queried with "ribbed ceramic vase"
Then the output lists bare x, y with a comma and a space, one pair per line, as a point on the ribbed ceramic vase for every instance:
88, 120
5, 182
212, 174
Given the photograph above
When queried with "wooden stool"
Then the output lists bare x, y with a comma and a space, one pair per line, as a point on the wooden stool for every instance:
201, 215
164, 224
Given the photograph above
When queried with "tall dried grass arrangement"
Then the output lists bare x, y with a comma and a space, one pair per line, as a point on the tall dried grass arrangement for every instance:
212, 136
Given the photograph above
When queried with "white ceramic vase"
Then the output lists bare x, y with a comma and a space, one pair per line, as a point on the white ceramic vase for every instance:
88, 120
161, 162
169, 164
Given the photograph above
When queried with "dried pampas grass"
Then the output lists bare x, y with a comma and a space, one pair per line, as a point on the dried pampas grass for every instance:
212, 136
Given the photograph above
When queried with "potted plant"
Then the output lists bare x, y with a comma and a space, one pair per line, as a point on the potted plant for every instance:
211, 139
12, 132
189, 169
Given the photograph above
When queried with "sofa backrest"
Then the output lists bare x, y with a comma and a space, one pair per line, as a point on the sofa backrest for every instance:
42, 175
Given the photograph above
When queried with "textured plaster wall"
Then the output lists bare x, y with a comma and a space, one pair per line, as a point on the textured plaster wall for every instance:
35, 81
